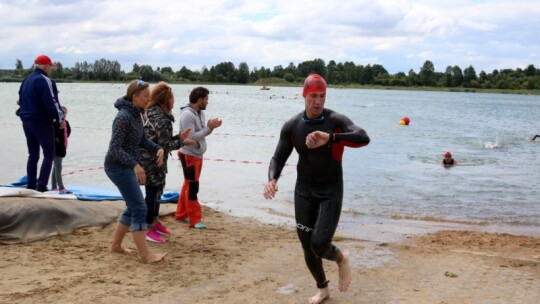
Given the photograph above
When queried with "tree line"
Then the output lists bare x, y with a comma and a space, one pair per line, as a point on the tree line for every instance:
341, 74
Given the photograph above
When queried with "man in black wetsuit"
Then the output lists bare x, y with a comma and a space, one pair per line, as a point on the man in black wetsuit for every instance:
319, 135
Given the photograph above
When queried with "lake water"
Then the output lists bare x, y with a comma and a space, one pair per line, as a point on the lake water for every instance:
393, 187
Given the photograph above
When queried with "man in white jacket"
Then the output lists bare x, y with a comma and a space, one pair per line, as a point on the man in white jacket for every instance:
188, 209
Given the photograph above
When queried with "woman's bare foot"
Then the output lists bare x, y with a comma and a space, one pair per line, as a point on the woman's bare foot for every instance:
153, 257
344, 270
120, 249
322, 295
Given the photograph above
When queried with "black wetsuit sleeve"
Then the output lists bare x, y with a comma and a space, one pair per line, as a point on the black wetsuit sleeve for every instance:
283, 151
351, 135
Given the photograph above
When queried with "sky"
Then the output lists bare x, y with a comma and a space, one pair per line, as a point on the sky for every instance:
397, 34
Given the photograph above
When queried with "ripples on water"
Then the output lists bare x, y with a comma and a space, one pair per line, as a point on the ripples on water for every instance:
398, 176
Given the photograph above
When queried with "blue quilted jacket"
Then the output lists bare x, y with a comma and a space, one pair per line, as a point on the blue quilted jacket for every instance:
127, 137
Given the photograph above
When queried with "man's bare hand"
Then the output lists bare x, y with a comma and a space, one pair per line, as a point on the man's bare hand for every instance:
270, 189
316, 139
214, 123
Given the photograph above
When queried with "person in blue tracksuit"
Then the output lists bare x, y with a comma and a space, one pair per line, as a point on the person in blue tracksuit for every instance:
39, 109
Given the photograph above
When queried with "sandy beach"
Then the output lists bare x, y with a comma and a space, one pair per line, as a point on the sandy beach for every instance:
238, 260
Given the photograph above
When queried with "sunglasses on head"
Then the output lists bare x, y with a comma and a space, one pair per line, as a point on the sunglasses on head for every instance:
140, 82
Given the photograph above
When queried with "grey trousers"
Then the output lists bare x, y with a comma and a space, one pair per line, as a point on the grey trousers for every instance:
57, 182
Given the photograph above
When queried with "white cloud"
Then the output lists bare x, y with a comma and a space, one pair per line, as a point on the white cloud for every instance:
399, 34
69, 50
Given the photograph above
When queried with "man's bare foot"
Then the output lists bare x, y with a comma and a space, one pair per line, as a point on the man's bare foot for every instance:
344, 270
120, 249
154, 257
322, 295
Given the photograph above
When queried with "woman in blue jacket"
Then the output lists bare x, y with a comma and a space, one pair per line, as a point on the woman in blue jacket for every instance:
122, 167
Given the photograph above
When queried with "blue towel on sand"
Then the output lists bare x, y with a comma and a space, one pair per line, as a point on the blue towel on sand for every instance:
87, 194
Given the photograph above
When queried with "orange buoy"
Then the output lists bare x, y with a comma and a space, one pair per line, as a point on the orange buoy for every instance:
406, 120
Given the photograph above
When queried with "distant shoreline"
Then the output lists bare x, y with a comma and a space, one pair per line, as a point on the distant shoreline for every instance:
269, 85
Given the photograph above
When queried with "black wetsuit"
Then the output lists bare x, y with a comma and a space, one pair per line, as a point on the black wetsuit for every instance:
449, 162
319, 186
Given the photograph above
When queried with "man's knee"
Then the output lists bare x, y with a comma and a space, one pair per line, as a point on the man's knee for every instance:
48, 151
321, 249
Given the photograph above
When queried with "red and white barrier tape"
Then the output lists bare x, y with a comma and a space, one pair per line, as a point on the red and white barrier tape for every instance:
208, 159
82, 170
247, 135
238, 161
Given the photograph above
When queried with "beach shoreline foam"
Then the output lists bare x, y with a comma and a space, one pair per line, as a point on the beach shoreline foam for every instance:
376, 228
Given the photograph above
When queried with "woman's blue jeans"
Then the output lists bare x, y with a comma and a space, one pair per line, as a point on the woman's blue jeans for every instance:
135, 213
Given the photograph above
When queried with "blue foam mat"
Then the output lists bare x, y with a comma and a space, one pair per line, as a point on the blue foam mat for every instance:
92, 194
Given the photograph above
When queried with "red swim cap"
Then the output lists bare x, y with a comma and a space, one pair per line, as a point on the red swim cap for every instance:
447, 154
314, 83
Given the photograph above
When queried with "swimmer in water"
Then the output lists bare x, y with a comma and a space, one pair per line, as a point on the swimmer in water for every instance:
448, 161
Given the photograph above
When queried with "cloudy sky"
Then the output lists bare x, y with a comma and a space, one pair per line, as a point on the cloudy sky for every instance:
398, 34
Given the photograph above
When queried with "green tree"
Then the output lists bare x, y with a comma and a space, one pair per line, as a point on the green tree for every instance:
353, 74
167, 70
19, 69
83, 71
482, 77
398, 79
102, 69
278, 71
243, 72
115, 70
448, 76
364, 75
226, 70
185, 73
146, 73
533, 83
58, 71
313, 66
262, 73
18, 64
427, 74
379, 70
412, 78
168, 74
254, 75
469, 77
530, 70
289, 77
331, 69
457, 76
291, 68
205, 74
157, 76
